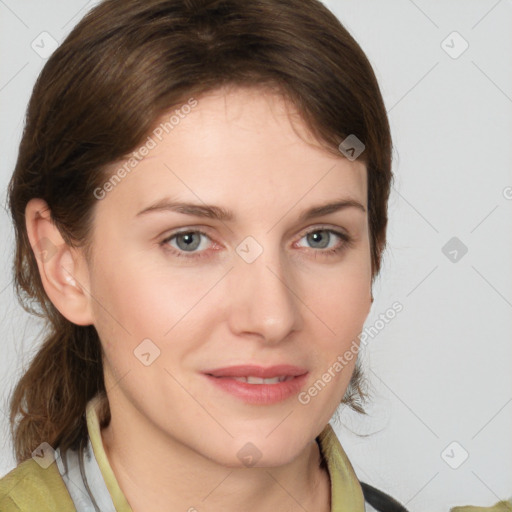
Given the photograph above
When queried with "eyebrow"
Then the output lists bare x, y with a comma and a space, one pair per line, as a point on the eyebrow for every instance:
222, 214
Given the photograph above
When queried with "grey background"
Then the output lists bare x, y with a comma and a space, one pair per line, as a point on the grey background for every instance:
440, 370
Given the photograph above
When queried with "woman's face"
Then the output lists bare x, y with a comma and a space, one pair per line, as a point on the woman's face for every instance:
264, 286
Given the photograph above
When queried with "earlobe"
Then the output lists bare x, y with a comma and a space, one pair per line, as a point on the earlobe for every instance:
63, 269
370, 303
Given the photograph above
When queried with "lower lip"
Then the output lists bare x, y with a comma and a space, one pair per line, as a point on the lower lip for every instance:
261, 394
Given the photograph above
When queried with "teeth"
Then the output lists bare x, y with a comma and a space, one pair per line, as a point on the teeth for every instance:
259, 380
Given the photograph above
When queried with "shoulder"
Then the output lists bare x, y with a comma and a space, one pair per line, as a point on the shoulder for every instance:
378, 501
500, 506
30, 487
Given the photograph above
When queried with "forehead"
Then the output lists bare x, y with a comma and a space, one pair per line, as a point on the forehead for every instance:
235, 146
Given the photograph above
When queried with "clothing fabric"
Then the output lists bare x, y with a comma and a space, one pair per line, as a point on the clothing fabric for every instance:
83, 481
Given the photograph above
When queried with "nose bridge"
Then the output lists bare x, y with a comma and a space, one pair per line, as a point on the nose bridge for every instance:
262, 298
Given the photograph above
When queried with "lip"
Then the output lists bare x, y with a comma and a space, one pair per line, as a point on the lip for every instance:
259, 394
257, 371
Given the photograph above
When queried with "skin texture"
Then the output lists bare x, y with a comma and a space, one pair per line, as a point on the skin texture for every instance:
174, 438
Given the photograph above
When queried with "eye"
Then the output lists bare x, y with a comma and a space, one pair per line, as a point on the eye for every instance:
325, 240
194, 243
186, 242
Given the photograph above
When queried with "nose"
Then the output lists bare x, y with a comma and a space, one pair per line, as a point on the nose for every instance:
263, 301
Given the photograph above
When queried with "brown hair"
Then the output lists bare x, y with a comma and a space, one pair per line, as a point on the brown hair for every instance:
125, 64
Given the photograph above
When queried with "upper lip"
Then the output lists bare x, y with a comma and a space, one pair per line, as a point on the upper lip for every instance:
257, 371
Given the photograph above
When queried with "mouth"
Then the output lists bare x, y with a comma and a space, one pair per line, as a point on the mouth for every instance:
258, 380
259, 385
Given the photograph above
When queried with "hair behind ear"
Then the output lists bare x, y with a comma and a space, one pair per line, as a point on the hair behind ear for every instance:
68, 372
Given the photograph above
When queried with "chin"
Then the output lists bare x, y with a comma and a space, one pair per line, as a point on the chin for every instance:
259, 452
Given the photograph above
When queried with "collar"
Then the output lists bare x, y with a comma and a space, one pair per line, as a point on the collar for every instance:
346, 492
93, 427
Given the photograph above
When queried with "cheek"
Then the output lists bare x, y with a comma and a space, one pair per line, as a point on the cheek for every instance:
137, 299
341, 299
341, 306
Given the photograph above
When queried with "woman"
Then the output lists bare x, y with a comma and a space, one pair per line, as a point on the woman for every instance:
200, 206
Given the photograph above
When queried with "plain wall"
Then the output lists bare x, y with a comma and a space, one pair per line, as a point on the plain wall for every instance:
440, 370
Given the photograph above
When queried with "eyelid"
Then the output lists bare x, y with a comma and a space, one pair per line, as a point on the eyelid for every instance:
188, 229
327, 227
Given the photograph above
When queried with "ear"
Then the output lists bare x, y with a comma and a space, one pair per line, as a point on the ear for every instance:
63, 269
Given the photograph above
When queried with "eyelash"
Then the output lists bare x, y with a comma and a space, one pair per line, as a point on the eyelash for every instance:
348, 241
